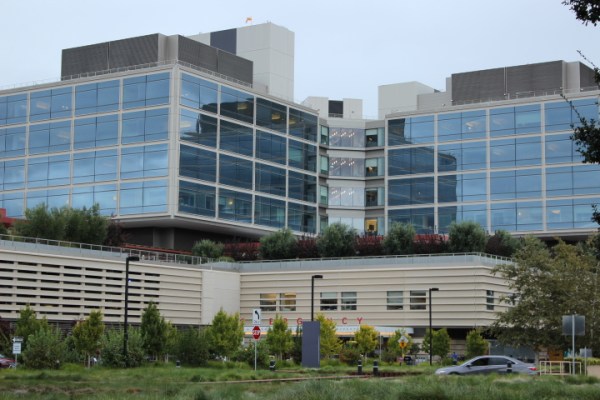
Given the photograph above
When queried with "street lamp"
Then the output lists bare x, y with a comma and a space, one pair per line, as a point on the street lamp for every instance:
312, 295
125, 337
433, 289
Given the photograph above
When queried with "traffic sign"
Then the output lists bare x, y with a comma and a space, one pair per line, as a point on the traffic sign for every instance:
256, 332
256, 316
403, 342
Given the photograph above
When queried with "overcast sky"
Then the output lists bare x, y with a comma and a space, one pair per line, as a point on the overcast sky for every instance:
344, 48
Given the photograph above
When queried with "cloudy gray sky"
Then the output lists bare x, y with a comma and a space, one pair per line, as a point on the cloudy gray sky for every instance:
344, 48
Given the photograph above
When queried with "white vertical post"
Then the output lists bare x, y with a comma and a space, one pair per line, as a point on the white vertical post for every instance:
573, 343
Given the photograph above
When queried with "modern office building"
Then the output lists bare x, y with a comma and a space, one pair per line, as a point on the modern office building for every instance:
181, 138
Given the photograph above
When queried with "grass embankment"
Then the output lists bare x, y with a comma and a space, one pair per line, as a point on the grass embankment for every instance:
168, 382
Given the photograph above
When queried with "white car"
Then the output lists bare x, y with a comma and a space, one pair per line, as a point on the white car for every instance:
489, 365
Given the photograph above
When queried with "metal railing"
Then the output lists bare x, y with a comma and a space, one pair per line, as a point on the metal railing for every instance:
560, 368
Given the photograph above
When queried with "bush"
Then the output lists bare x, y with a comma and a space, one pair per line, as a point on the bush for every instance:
280, 245
112, 348
467, 237
399, 239
45, 349
246, 354
307, 247
430, 244
502, 244
369, 245
337, 240
208, 249
191, 347
349, 354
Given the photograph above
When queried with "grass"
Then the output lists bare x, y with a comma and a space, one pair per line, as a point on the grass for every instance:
75, 382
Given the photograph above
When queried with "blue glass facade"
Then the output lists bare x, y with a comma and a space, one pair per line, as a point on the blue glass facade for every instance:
179, 144
512, 168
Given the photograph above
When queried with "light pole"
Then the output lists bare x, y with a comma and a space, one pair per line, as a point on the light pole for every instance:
433, 289
312, 295
125, 337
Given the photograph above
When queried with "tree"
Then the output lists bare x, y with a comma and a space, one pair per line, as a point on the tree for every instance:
65, 223
154, 331
225, 334
547, 284
337, 240
476, 344
330, 343
502, 244
366, 339
87, 335
440, 342
280, 245
467, 237
279, 337
587, 11
45, 349
115, 234
208, 249
399, 239
28, 324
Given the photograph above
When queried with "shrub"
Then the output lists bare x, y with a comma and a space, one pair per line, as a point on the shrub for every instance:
280, 245
467, 237
502, 244
307, 247
112, 348
191, 347
399, 239
369, 245
337, 240
45, 349
476, 344
207, 248
430, 244
349, 354
246, 354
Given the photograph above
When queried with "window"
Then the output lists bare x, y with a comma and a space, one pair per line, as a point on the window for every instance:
489, 300
145, 126
198, 93
418, 299
235, 172
236, 138
197, 163
235, 206
198, 128
348, 301
236, 104
301, 218
50, 104
196, 199
143, 197
146, 91
303, 125
269, 212
97, 97
329, 301
268, 302
374, 137
287, 301
272, 115
395, 300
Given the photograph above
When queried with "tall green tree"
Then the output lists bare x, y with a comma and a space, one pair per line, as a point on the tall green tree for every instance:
112, 348
337, 240
154, 331
467, 237
476, 345
279, 337
87, 335
28, 324
547, 284
330, 343
366, 339
280, 245
440, 345
225, 334
399, 239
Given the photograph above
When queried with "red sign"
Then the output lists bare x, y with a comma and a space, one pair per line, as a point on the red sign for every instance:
256, 332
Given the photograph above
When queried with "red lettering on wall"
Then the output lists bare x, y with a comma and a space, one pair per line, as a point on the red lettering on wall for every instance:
344, 320
299, 321
270, 321
359, 319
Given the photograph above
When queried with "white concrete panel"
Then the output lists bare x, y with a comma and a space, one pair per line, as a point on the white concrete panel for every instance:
400, 97
220, 290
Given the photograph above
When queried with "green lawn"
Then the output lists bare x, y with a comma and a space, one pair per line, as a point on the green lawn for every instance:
168, 382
